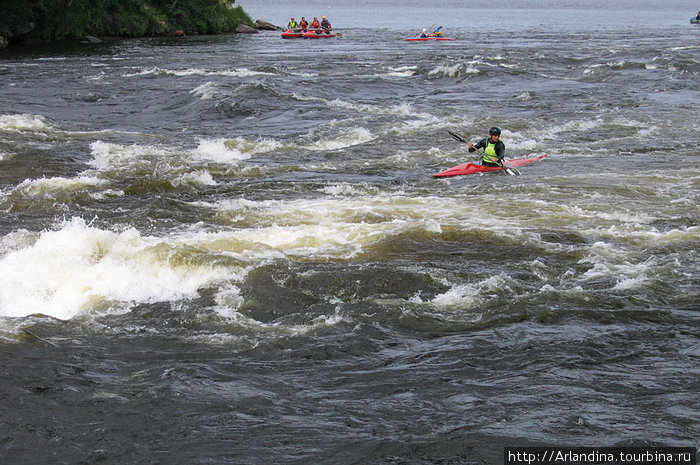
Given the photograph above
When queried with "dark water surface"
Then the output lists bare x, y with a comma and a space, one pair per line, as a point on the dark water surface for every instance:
229, 250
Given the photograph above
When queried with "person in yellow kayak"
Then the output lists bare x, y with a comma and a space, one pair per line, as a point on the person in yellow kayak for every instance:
494, 148
437, 33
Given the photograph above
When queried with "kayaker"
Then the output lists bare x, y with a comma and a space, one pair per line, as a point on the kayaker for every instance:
315, 24
494, 148
303, 24
698, 16
438, 33
325, 24
292, 24
423, 33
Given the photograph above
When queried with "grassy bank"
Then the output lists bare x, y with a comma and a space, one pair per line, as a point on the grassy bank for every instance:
65, 19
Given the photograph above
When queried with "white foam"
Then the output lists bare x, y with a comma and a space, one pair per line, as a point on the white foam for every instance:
108, 156
24, 123
78, 268
56, 186
217, 150
198, 177
402, 109
238, 72
170, 161
402, 71
462, 295
449, 70
349, 138
345, 190
206, 91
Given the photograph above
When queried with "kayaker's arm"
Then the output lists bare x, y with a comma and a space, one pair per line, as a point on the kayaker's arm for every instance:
479, 145
500, 151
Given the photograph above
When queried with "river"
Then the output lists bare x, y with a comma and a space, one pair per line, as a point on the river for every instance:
230, 250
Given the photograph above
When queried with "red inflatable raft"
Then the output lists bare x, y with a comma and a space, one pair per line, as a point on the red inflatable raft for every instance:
293, 34
318, 34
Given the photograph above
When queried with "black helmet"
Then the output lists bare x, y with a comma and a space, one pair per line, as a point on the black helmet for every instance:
494, 131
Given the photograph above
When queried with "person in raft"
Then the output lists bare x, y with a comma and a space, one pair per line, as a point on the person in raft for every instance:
315, 24
303, 24
326, 25
494, 148
292, 24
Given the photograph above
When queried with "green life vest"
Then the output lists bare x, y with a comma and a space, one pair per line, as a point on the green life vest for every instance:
490, 153
292, 24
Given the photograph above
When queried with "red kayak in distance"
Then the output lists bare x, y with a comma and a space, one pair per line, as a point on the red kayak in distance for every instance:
471, 168
423, 39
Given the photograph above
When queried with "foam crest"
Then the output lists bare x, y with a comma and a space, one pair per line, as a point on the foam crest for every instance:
447, 70
354, 136
454, 70
108, 156
402, 71
24, 123
57, 187
206, 91
470, 295
218, 150
78, 268
237, 72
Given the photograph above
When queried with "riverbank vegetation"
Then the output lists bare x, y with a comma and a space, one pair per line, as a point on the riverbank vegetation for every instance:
49, 20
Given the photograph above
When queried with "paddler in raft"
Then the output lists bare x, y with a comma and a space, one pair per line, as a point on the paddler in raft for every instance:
494, 148
315, 24
303, 24
292, 24
326, 25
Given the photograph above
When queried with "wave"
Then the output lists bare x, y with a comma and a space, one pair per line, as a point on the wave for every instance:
25, 123
78, 268
238, 72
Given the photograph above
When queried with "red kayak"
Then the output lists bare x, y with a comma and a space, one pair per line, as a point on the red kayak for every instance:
318, 34
471, 168
293, 34
422, 39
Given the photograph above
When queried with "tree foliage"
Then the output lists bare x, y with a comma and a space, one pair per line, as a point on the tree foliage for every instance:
62, 19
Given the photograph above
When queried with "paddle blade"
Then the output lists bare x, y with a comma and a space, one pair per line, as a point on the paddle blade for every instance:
457, 137
510, 170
